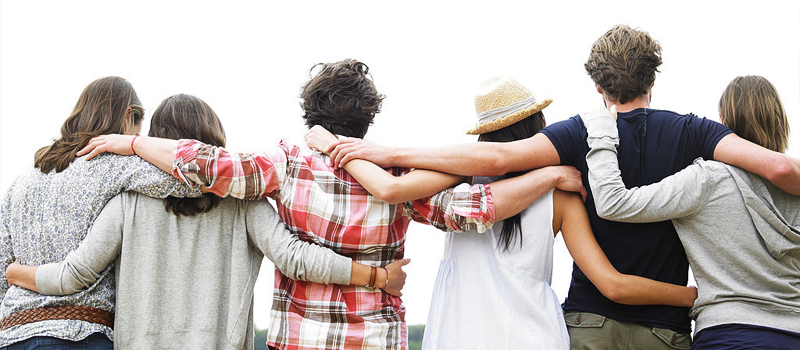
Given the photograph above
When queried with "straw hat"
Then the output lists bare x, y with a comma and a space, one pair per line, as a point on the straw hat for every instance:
501, 102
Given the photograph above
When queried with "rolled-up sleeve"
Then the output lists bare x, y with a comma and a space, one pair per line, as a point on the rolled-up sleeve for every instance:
461, 208
241, 175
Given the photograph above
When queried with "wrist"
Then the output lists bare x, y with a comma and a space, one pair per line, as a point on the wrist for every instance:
383, 278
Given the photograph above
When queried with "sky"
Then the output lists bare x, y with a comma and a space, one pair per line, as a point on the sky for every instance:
248, 60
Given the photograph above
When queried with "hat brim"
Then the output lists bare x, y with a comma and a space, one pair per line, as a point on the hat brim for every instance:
512, 118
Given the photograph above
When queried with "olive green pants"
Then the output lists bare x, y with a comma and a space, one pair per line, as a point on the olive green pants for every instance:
594, 332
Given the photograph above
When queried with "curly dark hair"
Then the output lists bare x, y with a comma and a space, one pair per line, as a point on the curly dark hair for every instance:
624, 62
341, 97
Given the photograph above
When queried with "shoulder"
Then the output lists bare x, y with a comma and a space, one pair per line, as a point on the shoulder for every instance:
569, 127
115, 162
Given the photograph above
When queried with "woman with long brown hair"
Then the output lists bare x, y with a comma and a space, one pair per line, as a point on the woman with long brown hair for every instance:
48, 210
185, 275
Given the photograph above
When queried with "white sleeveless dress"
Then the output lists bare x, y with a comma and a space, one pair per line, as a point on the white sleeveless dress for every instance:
488, 298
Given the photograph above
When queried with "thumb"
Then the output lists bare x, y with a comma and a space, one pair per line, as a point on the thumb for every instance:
404, 262
613, 111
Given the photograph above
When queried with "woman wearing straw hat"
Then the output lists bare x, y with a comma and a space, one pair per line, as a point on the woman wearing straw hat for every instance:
493, 289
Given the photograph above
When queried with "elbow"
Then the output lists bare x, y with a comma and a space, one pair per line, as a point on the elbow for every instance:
604, 209
390, 193
782, 172
614, 290
500, 163
605, 213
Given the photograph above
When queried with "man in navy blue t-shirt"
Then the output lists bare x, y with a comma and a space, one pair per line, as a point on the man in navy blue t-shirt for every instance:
653, 145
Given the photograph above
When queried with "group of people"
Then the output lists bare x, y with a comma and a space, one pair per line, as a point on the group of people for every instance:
156, 241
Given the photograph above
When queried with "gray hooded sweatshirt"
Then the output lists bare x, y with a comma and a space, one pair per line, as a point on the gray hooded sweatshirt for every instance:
741, 233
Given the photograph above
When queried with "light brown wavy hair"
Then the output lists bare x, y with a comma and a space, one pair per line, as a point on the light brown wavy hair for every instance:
188, 117
751, 107
102, 108
341, 97
623, 63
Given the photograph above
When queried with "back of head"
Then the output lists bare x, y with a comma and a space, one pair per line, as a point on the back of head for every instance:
507, 111
623, 63
188, 117
751, 107
102, 108
341, 97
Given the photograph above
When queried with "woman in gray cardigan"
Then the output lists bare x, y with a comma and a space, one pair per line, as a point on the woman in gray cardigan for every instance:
740, 232
185, 275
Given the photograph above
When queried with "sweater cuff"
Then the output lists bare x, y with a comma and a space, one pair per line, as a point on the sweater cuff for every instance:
600, 127
47, 280
341, 270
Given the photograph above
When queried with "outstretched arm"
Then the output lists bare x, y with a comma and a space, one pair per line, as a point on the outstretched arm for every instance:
780, 169
240, 175
152, 149
473, 159
83, 266
300, 260
510, 196
570, 217
381, 184
675, 196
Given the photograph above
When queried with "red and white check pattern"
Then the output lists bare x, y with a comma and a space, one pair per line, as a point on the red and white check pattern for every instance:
330, 208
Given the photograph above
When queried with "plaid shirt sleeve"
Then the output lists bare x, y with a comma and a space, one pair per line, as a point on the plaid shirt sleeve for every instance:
241, 175
460, 208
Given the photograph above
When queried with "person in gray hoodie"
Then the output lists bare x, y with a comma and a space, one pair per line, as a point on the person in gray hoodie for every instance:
741, 233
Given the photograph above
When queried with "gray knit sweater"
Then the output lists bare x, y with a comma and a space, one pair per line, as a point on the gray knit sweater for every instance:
740, 232
187, 282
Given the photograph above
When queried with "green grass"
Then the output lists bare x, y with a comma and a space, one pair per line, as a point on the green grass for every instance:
414, 338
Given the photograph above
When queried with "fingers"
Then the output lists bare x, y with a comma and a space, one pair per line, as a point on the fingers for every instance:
93, 143
98, 149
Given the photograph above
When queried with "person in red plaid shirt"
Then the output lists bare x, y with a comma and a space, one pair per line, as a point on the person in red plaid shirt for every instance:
329, 207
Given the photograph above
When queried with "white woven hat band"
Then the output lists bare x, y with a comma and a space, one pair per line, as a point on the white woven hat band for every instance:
493, 114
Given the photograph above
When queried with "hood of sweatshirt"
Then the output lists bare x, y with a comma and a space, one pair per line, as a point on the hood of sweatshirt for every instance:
775, 213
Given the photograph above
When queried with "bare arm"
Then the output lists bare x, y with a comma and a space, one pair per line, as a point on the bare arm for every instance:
780, 169
478, 159
381, 184
22, 276
154, 150
513, 195
570, 217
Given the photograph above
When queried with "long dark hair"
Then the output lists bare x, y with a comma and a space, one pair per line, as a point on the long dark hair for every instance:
102, 108
188, 117
512, 227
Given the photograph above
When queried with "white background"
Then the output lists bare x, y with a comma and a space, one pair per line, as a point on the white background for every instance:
249, 59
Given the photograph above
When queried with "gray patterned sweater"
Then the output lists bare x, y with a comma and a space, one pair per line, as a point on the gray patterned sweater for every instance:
45, 216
